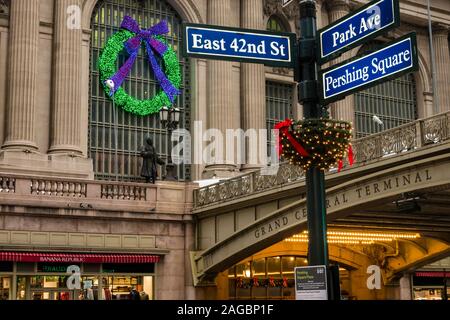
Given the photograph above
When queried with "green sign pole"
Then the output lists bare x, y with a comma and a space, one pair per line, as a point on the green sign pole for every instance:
308, 96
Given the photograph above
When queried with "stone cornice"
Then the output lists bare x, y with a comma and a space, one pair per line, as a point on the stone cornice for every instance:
338, 5
440, 29
272, 7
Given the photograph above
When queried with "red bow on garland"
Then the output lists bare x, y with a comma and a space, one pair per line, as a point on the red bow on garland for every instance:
239, 283
283, 127
350, 159
285, 282
272, 282
255, 282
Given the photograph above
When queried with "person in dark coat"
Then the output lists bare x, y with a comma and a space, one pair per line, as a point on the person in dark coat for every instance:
150, 159
134, 294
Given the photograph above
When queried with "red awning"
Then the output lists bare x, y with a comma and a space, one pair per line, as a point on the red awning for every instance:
433, 274
77, 258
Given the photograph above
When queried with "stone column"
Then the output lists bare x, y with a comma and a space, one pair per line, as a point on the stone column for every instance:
405, 287
220, 108
441, 49
23, 69
65, 135
189, 246
343, 109
253, 84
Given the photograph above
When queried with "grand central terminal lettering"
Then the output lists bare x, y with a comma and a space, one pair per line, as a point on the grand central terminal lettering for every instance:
334, 201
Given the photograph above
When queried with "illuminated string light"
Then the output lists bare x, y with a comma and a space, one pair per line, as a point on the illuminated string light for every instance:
326, 142
350, 237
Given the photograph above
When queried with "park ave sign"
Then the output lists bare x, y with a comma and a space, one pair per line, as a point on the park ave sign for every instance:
368, 22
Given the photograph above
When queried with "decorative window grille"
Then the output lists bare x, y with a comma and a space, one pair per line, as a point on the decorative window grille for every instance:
394, 102
141, 84
278, 105
275, 24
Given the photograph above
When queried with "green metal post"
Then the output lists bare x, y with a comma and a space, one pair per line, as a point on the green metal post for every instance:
308, 95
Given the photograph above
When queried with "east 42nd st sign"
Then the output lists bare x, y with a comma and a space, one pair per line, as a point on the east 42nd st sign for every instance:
244, 45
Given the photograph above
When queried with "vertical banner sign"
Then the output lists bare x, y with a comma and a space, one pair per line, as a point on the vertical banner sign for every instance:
311, 283
366, 23
244, 45
395, 59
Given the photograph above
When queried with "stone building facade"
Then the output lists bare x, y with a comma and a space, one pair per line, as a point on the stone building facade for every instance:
51, 199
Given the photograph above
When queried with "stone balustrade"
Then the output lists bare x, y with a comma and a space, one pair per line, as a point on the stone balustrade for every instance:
58, 188
123, 192
410, 137
7, 185
166, 197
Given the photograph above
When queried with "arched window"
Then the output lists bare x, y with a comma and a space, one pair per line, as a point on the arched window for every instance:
278, 105
275, 24
394, 102
278, 95
141, 84
269, 277
4, 7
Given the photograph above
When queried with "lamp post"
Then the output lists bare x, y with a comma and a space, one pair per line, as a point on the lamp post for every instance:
315, 178
170, 118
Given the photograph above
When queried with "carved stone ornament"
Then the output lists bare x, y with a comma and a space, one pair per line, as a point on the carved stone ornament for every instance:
284, 71
4, 6
272, 7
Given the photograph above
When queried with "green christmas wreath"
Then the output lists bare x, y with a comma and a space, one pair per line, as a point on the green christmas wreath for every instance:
130, 38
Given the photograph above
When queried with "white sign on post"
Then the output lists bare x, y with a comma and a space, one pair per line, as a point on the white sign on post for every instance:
311, 283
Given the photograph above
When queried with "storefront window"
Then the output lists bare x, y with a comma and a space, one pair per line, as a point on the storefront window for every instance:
128, 288
267, 278
5, 288
258, 277
48, 281
427, 294
21, 288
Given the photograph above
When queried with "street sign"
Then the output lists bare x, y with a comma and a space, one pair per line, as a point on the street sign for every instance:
311, 283
245, 45
285, 3
364, 24
395, 59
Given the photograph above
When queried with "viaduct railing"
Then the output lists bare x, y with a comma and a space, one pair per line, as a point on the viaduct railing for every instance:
410, 137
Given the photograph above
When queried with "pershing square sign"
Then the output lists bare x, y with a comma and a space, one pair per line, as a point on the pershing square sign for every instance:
392, 61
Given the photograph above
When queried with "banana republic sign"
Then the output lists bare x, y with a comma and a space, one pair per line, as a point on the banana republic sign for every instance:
353, 195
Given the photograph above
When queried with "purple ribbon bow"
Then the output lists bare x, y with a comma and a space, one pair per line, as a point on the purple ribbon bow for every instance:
132, 46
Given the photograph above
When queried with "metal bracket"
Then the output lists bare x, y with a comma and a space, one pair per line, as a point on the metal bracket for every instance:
307, 91
307, 49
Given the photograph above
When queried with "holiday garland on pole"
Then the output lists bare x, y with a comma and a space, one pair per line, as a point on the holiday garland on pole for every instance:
130, 38
315, 142
267, 283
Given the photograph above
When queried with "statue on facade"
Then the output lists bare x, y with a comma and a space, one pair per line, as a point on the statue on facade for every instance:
149, 161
